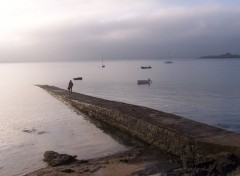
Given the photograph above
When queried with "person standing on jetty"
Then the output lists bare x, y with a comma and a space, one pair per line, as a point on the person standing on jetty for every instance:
70, 85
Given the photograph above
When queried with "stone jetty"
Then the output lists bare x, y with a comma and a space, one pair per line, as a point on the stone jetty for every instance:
169, 133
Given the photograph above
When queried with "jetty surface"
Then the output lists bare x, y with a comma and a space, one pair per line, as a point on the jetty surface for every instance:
168, 132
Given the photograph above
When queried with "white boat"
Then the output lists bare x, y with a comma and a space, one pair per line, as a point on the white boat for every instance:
147, 81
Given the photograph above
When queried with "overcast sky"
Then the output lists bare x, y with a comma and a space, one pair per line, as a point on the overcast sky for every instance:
55, 30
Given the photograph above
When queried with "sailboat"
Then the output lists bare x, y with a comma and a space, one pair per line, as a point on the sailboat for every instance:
168, 61
103, 66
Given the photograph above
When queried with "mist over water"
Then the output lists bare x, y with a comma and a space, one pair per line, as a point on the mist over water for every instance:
205, 90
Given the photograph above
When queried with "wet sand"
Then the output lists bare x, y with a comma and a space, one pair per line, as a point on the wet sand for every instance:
138, 161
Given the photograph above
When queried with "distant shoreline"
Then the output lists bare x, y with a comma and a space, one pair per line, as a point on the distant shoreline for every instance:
222, 56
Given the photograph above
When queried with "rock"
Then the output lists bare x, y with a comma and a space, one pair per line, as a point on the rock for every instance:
34, 131
94, 169
124, 160
41, 132
83, 161
201, 172
105, 162
225, 163
27, 131
86, 170
216, 164
67, 171
55, 159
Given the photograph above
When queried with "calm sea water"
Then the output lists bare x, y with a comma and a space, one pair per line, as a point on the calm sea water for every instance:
205, 90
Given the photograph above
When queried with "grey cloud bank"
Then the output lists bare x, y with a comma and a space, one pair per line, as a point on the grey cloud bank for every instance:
185, 32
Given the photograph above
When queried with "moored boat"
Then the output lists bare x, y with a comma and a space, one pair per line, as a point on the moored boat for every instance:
168, 62
146, 67
77, 78
147, 81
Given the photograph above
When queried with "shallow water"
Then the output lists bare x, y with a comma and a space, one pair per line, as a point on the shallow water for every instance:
205, 90
54, 126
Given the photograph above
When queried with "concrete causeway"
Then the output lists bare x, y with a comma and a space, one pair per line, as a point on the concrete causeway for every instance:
168, 132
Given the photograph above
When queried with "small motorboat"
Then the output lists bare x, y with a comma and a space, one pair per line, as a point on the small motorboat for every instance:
148, 81
77, 78
168, 62
146, 67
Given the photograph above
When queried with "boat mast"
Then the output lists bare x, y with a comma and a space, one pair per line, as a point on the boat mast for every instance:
102, 62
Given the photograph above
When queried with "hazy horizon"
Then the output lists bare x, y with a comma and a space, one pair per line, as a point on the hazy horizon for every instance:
61, 30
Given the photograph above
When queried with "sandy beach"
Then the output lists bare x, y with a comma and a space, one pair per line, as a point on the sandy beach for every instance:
137, 161
142, 161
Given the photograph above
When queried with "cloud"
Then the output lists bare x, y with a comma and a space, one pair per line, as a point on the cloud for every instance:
130, 30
